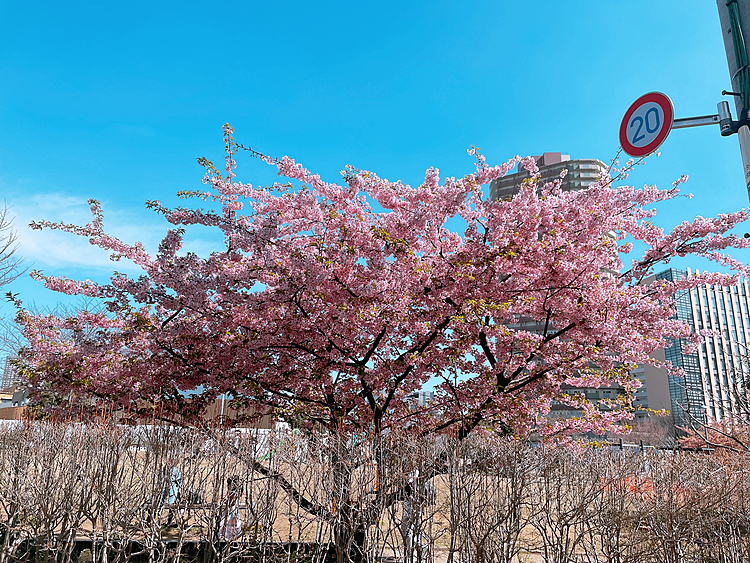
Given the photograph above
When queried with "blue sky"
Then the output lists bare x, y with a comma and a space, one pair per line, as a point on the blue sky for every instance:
115, 100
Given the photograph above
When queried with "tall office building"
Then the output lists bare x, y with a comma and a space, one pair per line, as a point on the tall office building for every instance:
717, 374
581, 174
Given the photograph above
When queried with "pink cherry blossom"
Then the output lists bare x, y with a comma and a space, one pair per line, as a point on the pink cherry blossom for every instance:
328, 308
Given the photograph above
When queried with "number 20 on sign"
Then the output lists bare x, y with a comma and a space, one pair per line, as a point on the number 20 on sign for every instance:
646, 124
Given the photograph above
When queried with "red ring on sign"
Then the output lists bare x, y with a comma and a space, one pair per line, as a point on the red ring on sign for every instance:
666, 105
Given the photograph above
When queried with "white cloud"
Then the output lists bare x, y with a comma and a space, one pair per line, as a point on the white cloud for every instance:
59, 250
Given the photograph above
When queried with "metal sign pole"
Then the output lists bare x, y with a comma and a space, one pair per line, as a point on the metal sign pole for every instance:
734, 17
744, 136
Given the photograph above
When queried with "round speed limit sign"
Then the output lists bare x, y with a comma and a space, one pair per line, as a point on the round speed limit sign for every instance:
646, 124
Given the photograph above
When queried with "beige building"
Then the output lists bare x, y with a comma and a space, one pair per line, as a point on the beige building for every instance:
581, 174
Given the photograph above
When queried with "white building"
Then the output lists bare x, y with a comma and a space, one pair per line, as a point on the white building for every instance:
717, 374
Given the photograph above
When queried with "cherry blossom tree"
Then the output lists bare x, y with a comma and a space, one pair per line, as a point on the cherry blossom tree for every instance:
333, 303
336, 302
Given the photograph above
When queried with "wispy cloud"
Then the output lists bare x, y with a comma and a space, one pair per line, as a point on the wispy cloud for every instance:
59, 250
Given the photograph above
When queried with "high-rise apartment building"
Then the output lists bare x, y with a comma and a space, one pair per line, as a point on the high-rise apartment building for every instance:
581, 174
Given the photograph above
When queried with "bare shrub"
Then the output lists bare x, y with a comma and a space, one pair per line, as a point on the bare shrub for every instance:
488, 501
565, 487
160, 494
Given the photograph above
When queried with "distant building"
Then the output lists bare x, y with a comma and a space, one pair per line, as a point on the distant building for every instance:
19, 398
6, 399
581, 174
717, 374
716, 383
423, 397
12, 399
10, 373
651, 379
596, 395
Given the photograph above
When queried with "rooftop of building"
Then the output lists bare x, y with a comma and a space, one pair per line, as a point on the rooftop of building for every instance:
581, 174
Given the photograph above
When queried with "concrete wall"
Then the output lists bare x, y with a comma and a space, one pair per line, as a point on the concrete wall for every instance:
657, 385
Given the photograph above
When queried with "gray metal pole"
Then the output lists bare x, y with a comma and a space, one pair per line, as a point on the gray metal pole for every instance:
732, 44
